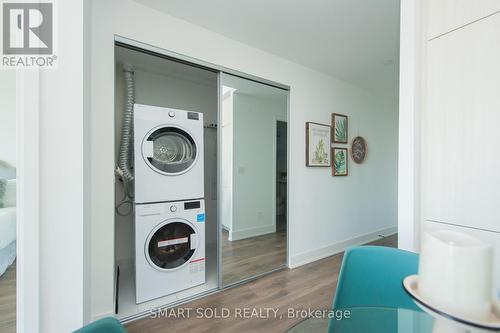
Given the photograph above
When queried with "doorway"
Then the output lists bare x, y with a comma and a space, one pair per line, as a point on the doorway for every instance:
281, 176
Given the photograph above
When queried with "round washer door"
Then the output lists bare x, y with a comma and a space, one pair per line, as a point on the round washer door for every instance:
169, 150
171, 245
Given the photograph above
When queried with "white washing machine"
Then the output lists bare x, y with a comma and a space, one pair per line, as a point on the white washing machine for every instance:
169, 248
168, 154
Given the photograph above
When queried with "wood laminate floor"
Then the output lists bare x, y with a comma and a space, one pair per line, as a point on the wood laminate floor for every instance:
249, 257
8, 300
309, 286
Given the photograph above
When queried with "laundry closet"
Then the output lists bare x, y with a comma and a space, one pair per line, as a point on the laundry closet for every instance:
177, 169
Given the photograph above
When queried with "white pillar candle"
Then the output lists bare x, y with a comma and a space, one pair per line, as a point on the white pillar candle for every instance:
456, 273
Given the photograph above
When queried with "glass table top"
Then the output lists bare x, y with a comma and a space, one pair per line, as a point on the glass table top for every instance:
366, 320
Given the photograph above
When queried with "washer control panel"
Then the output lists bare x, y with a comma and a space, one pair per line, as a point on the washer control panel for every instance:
192, 205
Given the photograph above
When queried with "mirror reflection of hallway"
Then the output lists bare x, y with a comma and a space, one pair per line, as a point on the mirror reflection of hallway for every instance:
253, 178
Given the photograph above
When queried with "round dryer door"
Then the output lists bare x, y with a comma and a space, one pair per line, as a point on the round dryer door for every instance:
169, 150
171, 245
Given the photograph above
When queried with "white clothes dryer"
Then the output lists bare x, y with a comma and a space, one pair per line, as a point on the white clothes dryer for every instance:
168, 154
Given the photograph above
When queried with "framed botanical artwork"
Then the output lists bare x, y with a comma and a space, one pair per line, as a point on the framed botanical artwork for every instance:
339, 128
339, 161
358, 149
317, 145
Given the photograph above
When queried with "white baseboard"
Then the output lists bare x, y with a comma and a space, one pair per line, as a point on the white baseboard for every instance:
251, 232
323, 252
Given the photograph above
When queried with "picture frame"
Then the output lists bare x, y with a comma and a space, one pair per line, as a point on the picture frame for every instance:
318, 145
359, 150
340, 161
340, 126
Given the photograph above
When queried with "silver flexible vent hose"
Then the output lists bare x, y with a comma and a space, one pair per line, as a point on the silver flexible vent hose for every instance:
125, 155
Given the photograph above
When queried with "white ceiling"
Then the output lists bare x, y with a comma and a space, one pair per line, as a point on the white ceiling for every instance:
354, 40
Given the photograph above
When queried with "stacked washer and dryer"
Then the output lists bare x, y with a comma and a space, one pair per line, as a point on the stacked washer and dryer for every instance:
169, 205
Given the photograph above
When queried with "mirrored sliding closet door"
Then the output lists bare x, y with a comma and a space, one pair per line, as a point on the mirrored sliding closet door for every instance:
253, 205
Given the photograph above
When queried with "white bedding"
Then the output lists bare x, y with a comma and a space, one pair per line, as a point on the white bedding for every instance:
9, 197
7, 257
7, 220
7, 226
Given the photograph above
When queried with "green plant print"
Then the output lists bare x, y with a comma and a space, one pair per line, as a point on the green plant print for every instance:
339, 162
340, 130
320, 155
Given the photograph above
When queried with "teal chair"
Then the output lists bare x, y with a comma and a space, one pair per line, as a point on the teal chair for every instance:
372, 276
105, 325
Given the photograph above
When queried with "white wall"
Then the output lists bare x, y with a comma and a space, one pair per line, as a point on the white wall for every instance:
254, 158
326, 213
55, 302
331, 212
8, 117
410, 85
